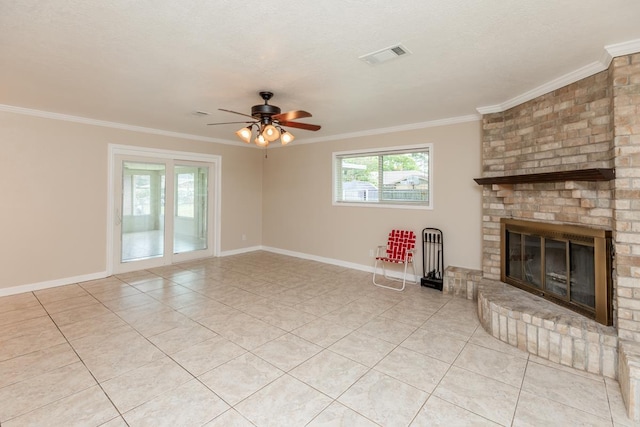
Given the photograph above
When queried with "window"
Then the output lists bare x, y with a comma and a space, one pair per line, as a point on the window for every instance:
398, 177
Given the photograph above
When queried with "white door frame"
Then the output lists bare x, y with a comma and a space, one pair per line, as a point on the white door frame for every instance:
129, 150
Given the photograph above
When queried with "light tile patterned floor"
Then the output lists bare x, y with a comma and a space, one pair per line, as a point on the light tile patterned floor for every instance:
268, 340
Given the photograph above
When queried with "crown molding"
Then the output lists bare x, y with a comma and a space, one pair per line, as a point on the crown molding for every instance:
394, 129
572, 77
625, 48
113, 125
609, 52
123, 126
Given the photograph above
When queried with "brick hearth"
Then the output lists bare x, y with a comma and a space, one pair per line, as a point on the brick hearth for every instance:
536, 325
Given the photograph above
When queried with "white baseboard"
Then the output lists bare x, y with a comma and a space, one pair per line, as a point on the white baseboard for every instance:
240, 251
51, 284
339, 262
101, 275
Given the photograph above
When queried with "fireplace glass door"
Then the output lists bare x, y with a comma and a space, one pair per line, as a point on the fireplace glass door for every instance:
524, 259
559, 268
559, 264
532, 255
555, 267
582, 274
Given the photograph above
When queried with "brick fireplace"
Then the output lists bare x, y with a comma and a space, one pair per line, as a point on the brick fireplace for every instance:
588, 125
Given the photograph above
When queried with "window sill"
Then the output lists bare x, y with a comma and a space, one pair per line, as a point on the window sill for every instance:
382, 205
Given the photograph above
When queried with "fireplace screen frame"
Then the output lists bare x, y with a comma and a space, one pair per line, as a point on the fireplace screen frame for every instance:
599, 239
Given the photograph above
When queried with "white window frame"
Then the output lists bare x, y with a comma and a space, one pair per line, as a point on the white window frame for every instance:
376, 152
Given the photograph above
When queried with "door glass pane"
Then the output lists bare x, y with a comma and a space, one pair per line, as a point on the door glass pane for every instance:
190, 210
532, 261
515, 260
555, 261
583, 274
142, 211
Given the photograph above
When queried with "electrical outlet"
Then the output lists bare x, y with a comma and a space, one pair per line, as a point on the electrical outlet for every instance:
371, 253
244, 237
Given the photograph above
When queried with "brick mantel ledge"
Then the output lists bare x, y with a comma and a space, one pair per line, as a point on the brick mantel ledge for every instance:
595, 174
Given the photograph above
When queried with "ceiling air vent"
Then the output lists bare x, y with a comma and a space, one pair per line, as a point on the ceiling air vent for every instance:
385, 54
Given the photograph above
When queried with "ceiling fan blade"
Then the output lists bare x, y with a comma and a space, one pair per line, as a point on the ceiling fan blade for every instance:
226, 123
305, 126
235, 112
291, 115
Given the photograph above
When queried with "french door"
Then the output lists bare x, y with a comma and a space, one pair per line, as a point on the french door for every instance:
164, 208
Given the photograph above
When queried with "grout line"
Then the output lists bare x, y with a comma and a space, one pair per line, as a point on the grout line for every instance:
83, 363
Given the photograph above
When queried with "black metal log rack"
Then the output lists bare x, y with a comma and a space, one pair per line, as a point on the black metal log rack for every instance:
432, 258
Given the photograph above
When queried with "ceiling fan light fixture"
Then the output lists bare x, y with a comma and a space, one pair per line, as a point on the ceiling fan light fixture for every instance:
286, 137
245, 134
271, 133
268, 121
261, 141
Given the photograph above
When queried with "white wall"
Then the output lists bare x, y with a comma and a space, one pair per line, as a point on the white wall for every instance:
53, 189
53, 184
299, 215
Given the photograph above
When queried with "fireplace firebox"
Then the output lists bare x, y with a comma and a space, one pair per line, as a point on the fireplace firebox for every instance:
566, 264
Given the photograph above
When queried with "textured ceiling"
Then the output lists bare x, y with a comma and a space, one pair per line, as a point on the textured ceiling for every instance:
154, 63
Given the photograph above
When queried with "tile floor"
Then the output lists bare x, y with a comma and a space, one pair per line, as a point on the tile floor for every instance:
267, 340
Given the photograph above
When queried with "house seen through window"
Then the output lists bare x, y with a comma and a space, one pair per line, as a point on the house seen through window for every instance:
389, 177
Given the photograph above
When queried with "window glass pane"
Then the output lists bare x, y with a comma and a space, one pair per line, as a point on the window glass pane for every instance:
359, 179
405, 177
388, 177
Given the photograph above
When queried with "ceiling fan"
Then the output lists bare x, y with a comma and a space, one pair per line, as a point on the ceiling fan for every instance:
268, 121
